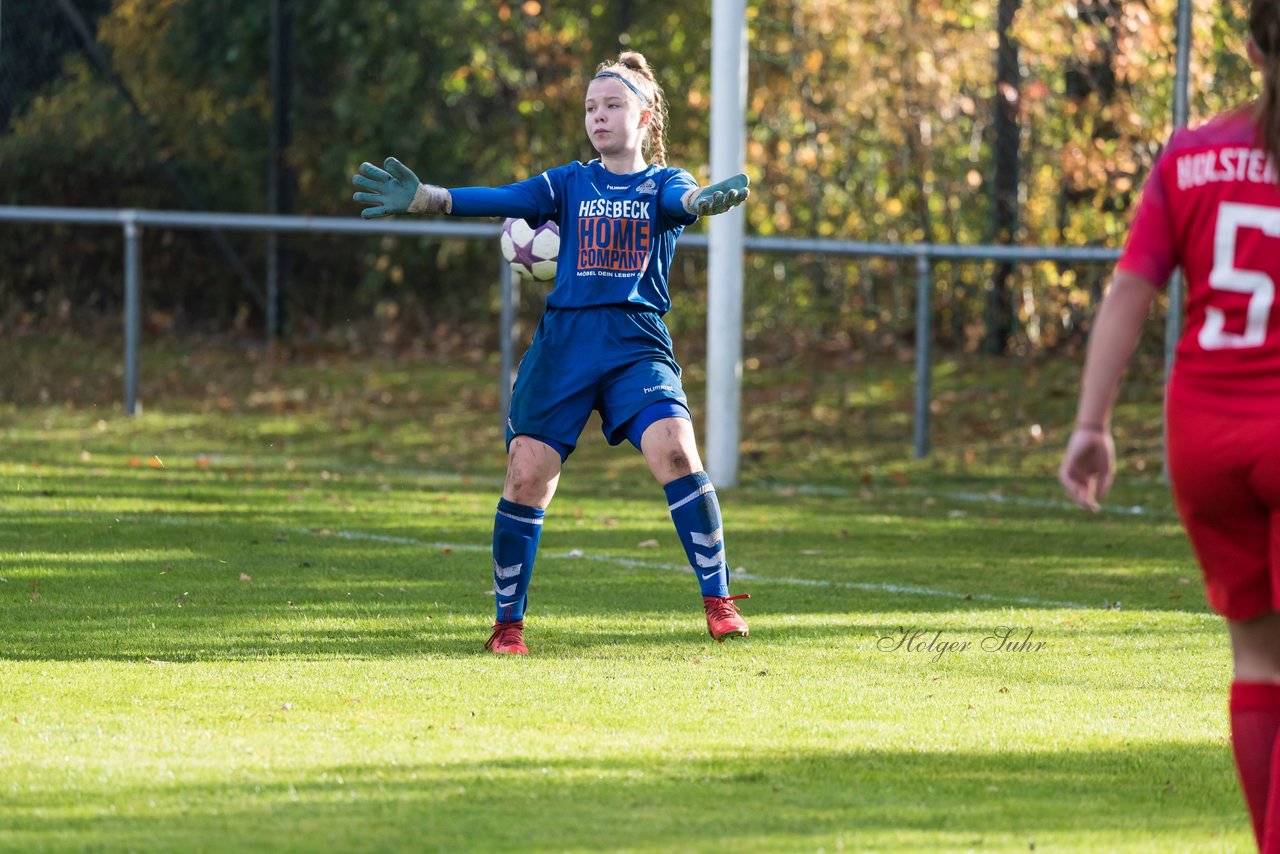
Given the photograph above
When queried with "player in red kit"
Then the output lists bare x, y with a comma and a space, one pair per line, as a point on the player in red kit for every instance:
1212, 206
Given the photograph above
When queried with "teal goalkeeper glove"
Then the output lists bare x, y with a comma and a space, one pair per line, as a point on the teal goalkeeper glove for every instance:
396, 190
718, 198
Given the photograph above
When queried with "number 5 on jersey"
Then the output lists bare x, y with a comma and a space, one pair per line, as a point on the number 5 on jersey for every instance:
1226, 276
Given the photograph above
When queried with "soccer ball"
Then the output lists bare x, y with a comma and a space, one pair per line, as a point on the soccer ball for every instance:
531, 252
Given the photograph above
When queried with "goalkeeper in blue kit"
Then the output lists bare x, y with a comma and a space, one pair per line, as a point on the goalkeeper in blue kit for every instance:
601, 344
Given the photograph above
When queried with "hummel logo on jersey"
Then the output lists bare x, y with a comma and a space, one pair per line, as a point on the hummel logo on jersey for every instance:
612, 187
648, 188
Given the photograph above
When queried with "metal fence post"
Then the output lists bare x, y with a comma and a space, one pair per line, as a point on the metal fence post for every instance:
924, 346
509, 286
1173, 315
132, 311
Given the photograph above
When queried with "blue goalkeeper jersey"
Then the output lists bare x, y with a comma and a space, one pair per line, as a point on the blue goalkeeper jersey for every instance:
617, 232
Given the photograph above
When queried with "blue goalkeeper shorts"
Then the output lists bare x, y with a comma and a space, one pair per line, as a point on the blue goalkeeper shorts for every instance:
605, 358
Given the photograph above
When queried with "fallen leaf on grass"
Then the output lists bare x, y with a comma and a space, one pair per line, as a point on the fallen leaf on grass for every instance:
244, 576
155, 662
647, 544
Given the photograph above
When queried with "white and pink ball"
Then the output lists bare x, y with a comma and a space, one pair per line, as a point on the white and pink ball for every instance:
531, 252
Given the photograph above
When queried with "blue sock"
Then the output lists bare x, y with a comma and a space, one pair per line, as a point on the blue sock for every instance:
516, 531
696, 513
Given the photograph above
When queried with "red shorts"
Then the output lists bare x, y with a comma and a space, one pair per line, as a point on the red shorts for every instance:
1225, 470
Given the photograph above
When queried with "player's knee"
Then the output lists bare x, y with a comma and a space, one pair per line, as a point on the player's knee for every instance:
522, 489
532, 471
671, 464
1256, 647
678, 463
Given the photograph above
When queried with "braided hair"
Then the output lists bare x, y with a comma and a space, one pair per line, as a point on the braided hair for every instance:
634, 68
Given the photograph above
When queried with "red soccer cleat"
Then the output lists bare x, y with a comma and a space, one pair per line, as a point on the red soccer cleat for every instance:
723, 619
507, 638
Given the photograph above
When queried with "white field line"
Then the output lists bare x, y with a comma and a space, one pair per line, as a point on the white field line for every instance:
737, 575
453, 477
907, 589
975, 497
632, 563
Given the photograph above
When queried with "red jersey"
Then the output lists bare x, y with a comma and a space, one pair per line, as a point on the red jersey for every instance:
1212, 206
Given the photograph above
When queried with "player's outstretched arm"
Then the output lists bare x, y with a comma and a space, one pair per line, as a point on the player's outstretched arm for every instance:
394, 189
718, 198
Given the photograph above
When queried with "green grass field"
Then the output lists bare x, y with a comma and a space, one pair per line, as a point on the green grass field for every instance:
251, 619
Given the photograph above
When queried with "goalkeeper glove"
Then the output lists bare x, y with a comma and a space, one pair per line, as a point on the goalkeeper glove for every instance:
718, 198
396, 190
